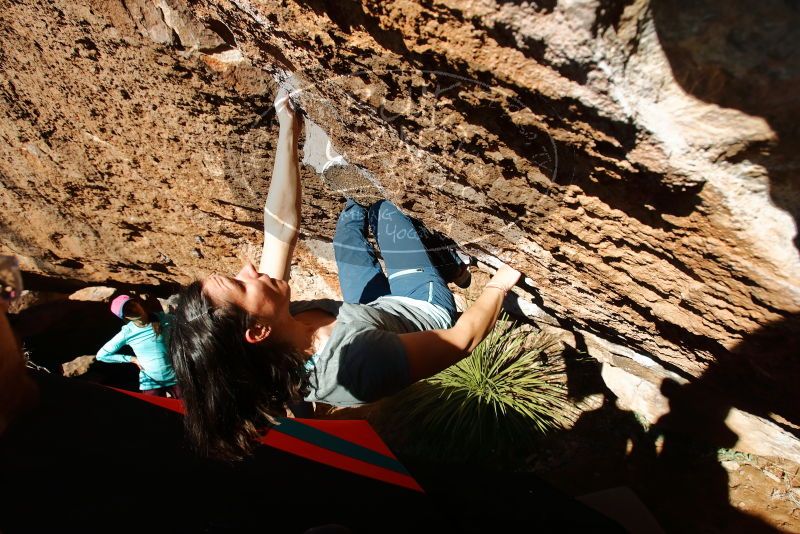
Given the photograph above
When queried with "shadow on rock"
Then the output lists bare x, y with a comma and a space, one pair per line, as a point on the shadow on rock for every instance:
672, 466
759, 376
743, 55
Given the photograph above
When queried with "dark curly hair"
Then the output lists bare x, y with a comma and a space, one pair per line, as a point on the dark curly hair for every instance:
232, 389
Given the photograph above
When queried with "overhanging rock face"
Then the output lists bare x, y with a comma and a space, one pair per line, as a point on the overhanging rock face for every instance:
636, 160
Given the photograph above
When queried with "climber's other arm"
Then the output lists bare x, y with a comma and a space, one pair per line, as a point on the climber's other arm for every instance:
282, 207
431, 351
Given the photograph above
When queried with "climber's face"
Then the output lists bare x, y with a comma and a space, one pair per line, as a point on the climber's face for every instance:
261, 296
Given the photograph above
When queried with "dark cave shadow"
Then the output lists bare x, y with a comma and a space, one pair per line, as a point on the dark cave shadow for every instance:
347, 14
545, 6
56, 332
89, 459
743, 55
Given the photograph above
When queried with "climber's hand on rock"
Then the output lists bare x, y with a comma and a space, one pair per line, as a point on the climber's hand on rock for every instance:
506, 277
285, 111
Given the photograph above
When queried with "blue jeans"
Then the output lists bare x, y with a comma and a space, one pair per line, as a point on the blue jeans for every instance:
411, 273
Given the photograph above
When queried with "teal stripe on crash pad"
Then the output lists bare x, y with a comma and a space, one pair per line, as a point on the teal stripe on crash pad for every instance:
309, 434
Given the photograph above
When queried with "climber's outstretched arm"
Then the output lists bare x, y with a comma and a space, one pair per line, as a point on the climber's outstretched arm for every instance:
282, 208
431, 351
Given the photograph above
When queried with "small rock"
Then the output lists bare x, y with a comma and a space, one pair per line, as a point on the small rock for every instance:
198, 239
93, 294
730, 465
77, 367
197, 254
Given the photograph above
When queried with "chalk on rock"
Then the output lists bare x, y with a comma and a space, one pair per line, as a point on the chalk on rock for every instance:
352, 181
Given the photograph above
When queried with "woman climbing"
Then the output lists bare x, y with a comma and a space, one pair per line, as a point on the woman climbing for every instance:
243, 350
148, 336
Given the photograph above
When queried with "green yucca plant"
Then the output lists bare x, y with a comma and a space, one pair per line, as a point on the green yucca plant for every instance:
492, 404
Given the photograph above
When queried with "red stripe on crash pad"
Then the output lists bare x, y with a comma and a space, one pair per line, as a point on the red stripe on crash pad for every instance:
171, 404
358, 432
307, 450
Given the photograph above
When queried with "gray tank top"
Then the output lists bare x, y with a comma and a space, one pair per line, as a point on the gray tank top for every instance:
364, 360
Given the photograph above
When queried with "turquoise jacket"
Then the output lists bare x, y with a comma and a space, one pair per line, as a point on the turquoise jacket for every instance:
150, 350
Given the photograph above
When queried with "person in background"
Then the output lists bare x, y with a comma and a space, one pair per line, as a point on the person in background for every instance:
148, 336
